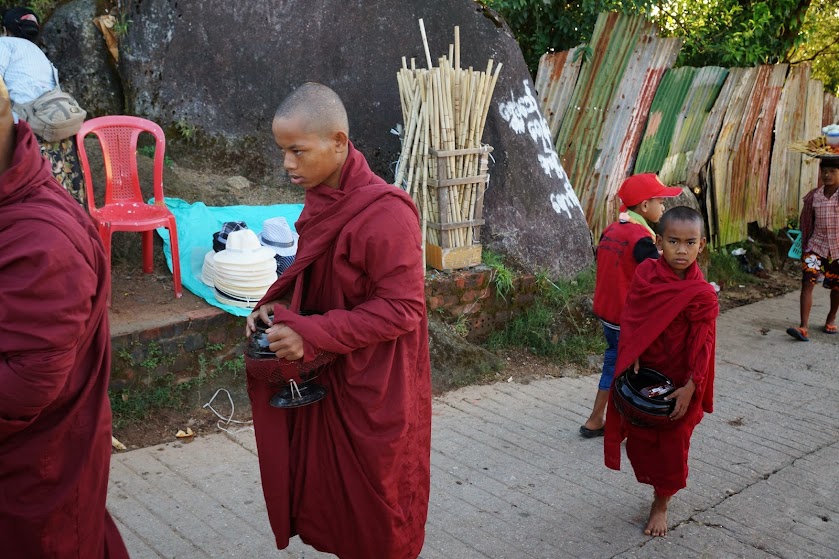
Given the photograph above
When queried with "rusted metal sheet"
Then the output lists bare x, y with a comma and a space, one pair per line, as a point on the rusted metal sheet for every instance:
664, 112
757, 185
555, 82
724, 133
699, 168
782, 197
623, 127
740, 164
690, 123
611, 47
723, 167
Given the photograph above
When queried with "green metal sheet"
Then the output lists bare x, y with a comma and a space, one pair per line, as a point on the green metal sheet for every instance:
690, 122
664, 114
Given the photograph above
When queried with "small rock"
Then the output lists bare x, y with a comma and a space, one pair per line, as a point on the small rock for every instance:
237, 182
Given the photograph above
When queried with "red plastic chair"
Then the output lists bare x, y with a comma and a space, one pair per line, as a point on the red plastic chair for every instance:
125, 209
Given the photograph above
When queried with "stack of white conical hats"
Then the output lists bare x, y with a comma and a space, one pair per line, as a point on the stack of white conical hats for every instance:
208, 270
244, 270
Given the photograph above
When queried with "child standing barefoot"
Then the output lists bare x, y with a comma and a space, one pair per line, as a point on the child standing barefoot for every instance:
668, 324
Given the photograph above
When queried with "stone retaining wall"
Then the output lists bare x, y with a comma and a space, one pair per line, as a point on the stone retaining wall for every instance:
186, 348
207, 338
470, 298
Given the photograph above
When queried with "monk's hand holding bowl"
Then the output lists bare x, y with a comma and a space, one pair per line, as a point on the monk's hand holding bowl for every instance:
262, 313
683, 397
285, 342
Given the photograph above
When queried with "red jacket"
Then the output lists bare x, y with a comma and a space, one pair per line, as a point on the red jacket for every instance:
622, 247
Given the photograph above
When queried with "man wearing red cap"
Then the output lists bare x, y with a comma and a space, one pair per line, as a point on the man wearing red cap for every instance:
623, 245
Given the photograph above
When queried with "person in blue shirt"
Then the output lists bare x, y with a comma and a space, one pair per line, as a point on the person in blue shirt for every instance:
29, 74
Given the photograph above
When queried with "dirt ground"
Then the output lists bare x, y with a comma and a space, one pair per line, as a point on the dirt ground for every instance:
139, 297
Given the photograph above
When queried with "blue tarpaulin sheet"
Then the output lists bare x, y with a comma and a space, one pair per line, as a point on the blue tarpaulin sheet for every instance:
196, 225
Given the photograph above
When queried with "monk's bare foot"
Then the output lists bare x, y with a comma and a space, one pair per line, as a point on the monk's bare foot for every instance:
657, 524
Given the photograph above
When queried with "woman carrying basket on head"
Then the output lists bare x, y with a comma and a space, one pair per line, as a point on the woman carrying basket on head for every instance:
820, 241
29, 74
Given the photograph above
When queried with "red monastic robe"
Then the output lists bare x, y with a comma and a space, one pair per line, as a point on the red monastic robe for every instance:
351, 473
55, 418
670, 324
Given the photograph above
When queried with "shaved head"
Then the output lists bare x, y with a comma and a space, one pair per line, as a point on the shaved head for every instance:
317, 106
683, 214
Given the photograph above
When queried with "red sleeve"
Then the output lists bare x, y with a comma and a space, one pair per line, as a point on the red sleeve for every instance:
46, 291
391, 257
700, 347
702, 315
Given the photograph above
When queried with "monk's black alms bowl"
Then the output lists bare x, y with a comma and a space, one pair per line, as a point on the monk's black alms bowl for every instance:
639, 397
262, 364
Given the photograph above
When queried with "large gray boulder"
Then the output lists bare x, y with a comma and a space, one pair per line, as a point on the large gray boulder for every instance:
212, 76
85, 68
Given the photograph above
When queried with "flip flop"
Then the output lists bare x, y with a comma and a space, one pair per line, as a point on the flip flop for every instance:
591, 433
799, 334
830, 329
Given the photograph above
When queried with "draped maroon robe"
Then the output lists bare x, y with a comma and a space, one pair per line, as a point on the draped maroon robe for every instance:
55, 418
669, 324
350, 473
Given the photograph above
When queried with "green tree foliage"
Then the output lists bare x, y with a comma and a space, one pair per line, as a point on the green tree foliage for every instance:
556, 25
715, 32
821, 44
732, 32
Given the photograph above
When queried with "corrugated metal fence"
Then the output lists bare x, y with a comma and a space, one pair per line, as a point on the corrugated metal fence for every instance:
617, 107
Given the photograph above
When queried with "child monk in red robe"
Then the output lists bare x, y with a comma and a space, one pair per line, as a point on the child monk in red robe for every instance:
350, 473
668, 324
55, 359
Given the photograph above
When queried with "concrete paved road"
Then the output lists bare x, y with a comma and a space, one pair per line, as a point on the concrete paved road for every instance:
511, 478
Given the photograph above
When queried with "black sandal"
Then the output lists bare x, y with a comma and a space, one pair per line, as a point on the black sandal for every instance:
591, 433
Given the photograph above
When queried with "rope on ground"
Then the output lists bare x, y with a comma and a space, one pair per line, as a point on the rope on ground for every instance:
226, 421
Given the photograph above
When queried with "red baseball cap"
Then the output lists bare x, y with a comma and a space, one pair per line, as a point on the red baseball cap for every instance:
638, 188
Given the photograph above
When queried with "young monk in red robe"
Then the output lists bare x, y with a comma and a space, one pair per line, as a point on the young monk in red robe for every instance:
350, 473
55, 418
668, 324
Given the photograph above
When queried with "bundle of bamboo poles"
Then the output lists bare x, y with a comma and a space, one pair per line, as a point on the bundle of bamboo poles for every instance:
444, 108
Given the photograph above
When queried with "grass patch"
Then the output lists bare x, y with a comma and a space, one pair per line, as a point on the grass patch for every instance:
135, 404
555, 326
725, 269
131, 405
502, 276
